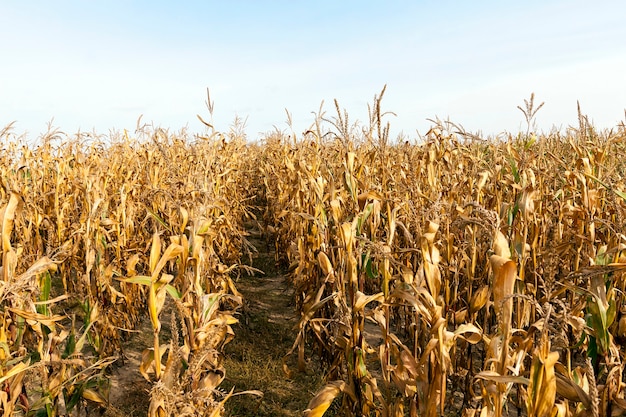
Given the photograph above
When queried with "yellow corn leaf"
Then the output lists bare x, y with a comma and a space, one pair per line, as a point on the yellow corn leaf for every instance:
147, 363
16, 386
217, 411
505, 273
52, 300
469, 333
94, 396
568, 389
185, 218
407, 275
95, 312
431, 232
42, 265
138, 279
231, 287
310, 311
155, 252
460, 316
115, 295
249, 392
221, 320
172, 251
157, 407
502, 379
5, 352
347, 236
350, 161
322, 400
542, 387
361, 300
325, 263
392, 224
560, 410
432, 274
9, 263
81, 341
184, 258
153, 309
131, 265
501, 245
33, 318
58, 378
211, 380
8, 215
430, 265
335, 206
20, 367
423, 301
479, 299
484, 176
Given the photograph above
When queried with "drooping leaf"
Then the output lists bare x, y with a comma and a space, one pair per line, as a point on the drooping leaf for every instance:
324, 398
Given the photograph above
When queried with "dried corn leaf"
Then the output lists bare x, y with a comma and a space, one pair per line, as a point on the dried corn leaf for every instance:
324, 398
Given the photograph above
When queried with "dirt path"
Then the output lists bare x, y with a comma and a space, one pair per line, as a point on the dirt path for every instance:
254, 359
130, 391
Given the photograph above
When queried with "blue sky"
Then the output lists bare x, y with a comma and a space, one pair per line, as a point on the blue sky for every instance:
101, 64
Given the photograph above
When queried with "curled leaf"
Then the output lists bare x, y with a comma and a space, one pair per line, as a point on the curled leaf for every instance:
322, 400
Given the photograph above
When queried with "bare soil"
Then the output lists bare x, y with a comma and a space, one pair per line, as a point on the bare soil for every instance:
129, 394
253, 360
264, 335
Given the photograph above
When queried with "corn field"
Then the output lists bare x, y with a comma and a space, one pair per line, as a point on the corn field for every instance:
95, 236
454, 276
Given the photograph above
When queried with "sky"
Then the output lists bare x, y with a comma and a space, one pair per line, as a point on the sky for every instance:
100, 65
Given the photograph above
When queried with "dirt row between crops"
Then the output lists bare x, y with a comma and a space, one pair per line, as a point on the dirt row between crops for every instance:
253, 360
265, 333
